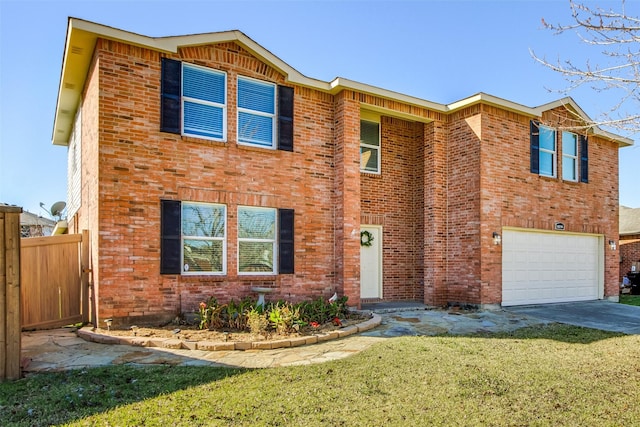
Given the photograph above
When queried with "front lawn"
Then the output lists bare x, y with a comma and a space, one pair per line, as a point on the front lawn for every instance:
554, 375
630, 299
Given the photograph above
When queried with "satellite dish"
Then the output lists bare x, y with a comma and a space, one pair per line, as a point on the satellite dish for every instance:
57, 208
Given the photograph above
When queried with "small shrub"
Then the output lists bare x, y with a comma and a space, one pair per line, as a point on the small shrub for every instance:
323, 311
257, 321
283, 316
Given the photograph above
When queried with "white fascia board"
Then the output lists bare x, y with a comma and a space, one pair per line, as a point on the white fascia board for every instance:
485, 98
171, 44
340, 83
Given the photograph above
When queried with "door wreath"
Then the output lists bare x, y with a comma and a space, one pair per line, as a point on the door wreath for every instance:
366, 238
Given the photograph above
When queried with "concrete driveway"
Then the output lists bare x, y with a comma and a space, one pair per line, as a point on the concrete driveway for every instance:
604, 315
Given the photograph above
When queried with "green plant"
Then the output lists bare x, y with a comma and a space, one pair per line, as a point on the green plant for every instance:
205, 312
322, 311
232, 315
257, 320
283, 316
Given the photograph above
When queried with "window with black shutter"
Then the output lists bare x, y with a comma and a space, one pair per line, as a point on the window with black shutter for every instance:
170, 219
285, 118
171, 92
534, 137
285, 241
584, 158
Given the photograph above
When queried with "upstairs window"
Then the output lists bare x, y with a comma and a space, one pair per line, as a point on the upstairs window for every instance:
194, 103
369, 146
569, 156
193, 100
547, 153
544, 152
256, 113
204, 98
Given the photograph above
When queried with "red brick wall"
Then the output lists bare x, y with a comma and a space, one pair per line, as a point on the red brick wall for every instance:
463, 206
446, 186
629, 252
513, 196
394, 199
435, 196
138, 166
347, 196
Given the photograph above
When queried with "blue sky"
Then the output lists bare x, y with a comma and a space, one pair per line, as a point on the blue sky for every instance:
441, 51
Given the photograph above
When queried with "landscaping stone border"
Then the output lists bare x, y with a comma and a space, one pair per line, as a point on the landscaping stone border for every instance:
88, 334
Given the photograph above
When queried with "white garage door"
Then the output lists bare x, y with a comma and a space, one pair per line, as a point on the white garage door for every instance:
550, 267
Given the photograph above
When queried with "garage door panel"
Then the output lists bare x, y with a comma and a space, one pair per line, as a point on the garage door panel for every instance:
549, 267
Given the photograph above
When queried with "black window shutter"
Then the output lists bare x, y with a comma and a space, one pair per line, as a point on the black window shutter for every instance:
170, 219
534, 135
285, 118
170, 88
285, 241
584, 159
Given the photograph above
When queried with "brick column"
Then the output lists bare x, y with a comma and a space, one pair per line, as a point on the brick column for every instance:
435, 214
347, 196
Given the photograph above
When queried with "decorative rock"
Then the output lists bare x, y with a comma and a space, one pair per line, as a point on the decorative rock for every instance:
172, 344
243, 346
298, 341
190, 345
280, 344
349, 330
261, 345
215, 346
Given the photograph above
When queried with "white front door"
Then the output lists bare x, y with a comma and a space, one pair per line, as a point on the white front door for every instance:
371, 263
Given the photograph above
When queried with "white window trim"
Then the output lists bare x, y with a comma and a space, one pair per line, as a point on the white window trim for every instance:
569, 156
203, 102
377, 148
273, 116
554, 153
274, 241
223, 239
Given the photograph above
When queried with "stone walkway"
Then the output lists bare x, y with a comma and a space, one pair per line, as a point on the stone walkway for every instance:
62, 349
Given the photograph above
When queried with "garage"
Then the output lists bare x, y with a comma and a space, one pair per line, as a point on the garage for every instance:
547, 267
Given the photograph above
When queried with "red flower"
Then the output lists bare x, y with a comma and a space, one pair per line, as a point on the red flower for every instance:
337, 321
203, 306
314, 324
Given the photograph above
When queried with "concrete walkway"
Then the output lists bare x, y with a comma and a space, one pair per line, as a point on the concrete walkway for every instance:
62, 349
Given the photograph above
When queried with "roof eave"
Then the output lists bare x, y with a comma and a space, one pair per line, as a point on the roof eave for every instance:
569, 104
82, 36
78, 52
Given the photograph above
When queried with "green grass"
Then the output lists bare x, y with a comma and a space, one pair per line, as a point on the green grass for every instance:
630, 299
554, 375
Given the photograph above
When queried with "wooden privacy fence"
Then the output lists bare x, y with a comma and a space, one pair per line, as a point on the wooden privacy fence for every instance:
54, 273
10, 292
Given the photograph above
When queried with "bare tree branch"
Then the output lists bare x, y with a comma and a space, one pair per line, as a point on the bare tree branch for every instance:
617, 35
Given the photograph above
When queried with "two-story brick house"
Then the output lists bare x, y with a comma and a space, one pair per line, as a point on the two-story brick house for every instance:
203, 165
